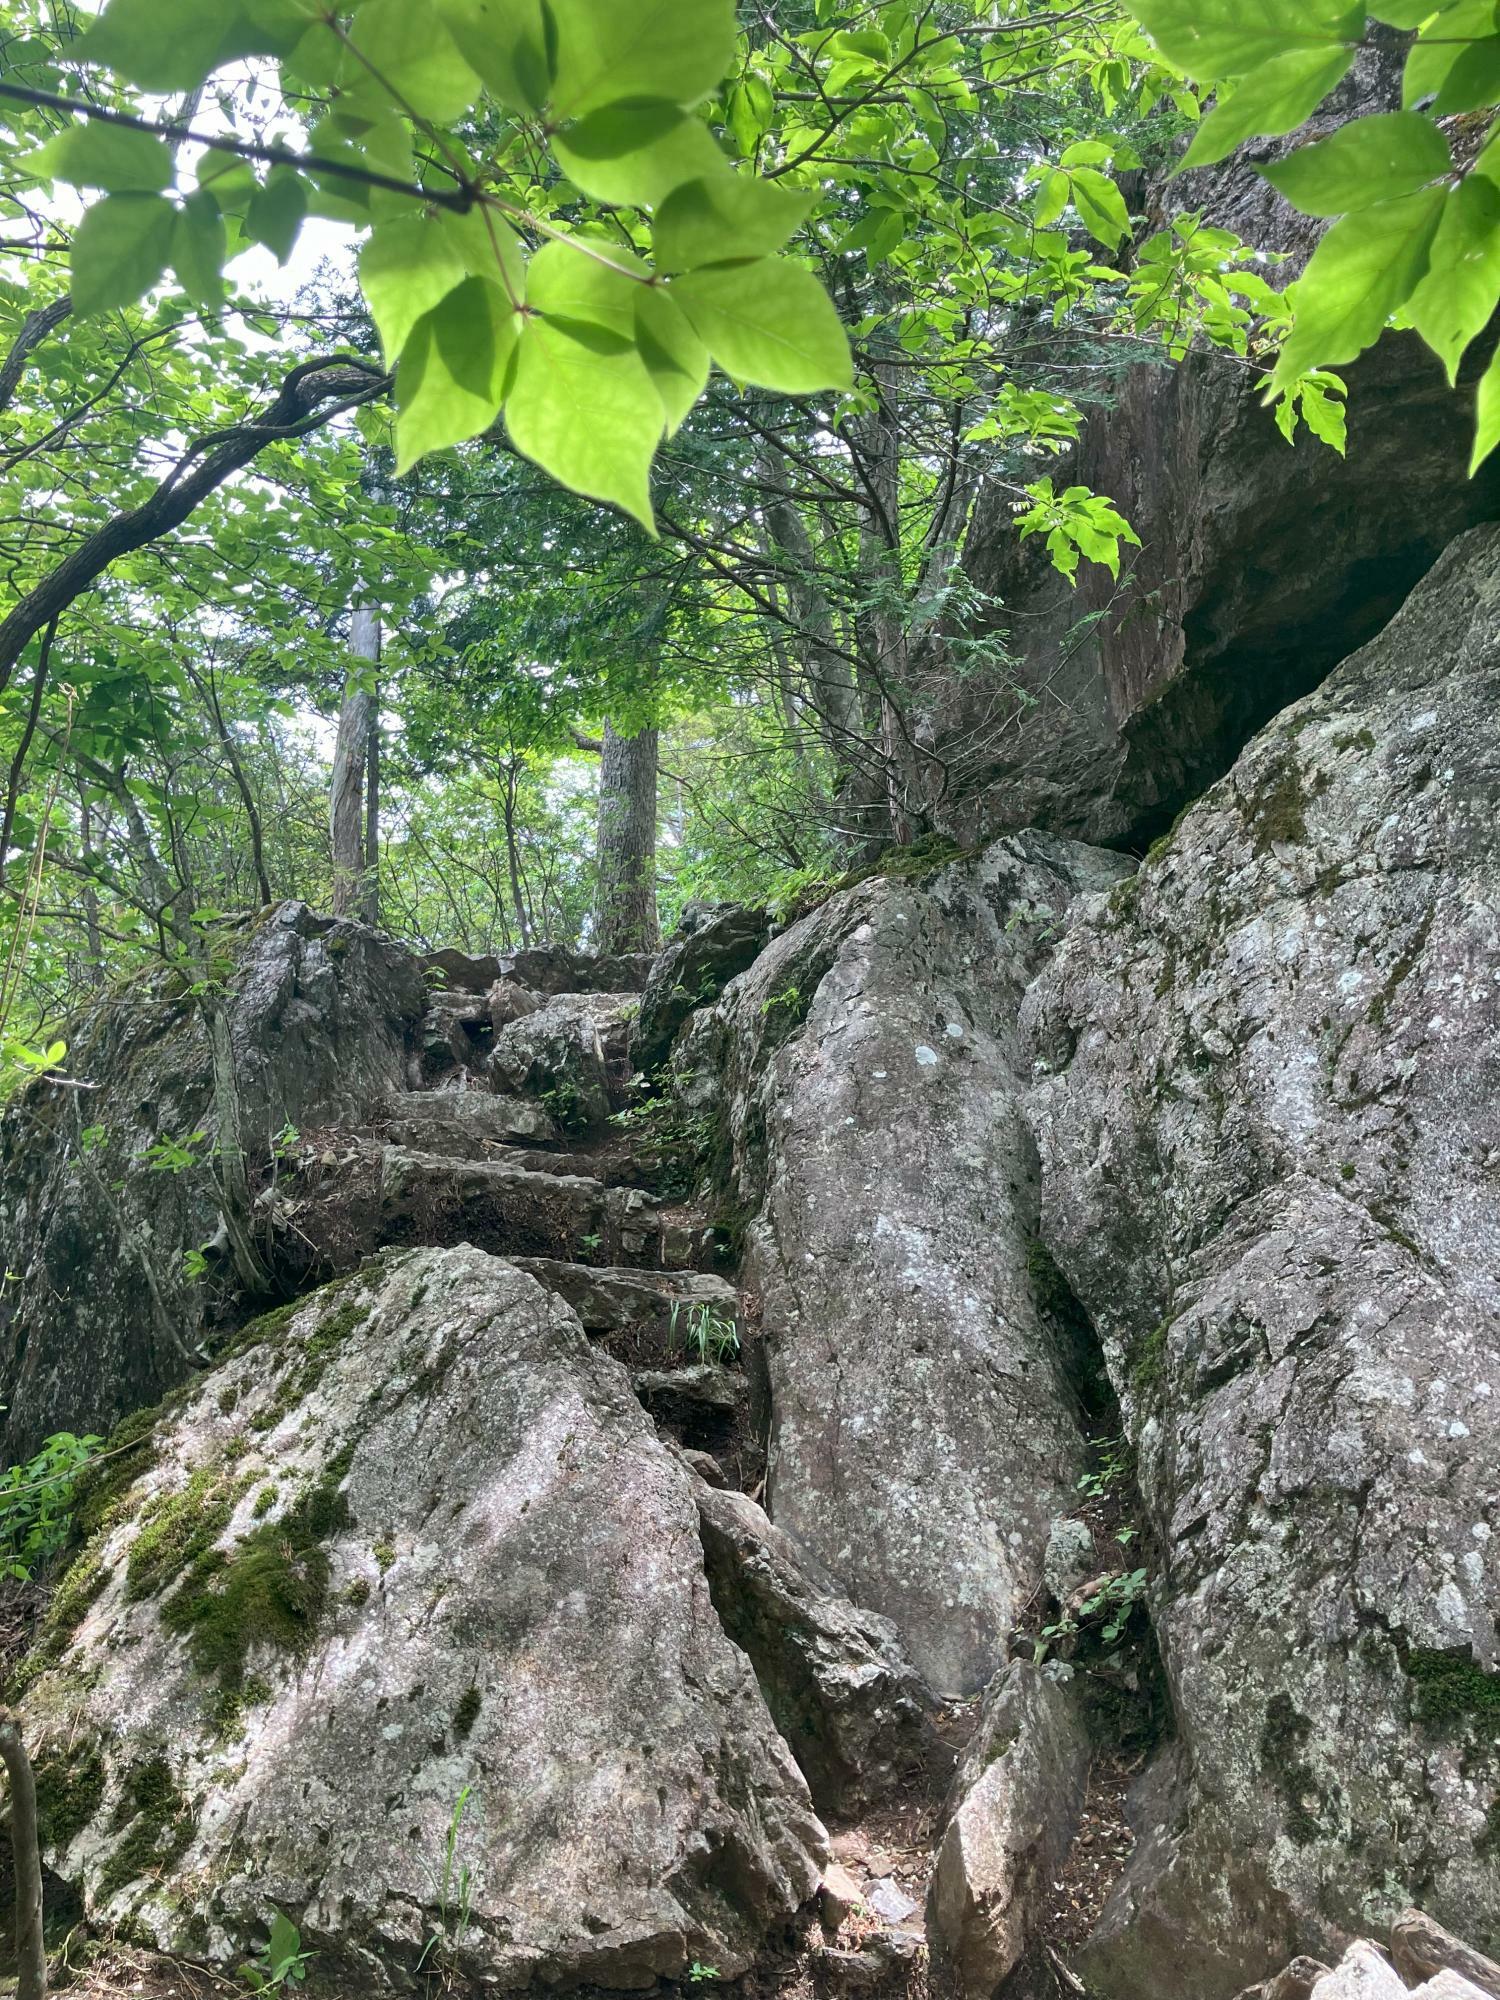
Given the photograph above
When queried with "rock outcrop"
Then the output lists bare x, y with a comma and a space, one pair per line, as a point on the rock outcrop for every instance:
1269, 1123
411, 1558
710, 946
1263, 564
106, 1189
924, 1436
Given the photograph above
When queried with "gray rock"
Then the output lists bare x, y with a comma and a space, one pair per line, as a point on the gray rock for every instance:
465, 1124
553, 969
507, 1000
610, 1299
711, 946
888, 1899
561, 1055
1361, 1974
420, 1538
450, 1042
852, 1708
1018, 1795
1420, 1949
1270, 1132
102, 1317
1448, 1985
1070, 1556
924, 1440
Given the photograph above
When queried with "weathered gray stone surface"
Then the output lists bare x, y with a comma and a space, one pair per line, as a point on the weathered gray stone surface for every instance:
419, 1538
923, 1437
466, 1124
562, 1055
1016, 1798
712, 944
851, 1707
1269, 1121
101, 1318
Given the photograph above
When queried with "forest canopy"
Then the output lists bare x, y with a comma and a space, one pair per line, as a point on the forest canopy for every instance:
508, 467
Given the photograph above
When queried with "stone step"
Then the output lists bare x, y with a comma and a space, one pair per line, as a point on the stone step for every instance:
466, 1124
613, 1299
512, 1211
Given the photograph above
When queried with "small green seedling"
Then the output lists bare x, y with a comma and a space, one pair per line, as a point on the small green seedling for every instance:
282, 1961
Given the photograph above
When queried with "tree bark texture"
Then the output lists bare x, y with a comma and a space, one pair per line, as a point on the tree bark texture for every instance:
354, 794
625, 898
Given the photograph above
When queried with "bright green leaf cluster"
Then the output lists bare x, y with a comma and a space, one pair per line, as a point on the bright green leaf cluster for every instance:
1415, 235
593, 340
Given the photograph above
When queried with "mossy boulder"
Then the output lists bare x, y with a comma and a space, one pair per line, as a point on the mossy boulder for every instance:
415, 1542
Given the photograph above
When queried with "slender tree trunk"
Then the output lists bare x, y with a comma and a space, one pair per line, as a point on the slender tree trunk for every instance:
513, 851
625, 899
90, 894
31, 1955
355, 790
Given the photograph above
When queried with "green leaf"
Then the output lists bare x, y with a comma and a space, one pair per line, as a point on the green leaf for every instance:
726, 216
1473, 81
415, 55
409, 265
613, 49
1278, 97
171, 45
1101, 206
1214, 39
1052, 199
488, 247
1453, 303
505, 41
1437, 51
1364, 268
587, 278
277, 212
585, 409
198, 247
105, 156
768, 322
1487, 432
636, 152
675, 358
120, 250
1369, 160
452, 374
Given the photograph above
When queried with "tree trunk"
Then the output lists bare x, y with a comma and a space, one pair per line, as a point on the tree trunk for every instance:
31, 1956
354, 795
625, 899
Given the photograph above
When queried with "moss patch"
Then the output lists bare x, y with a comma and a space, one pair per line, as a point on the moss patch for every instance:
1451, 1687
69, 1793
312, 1362
466, 1714
177, 1530
1281, 1745
272, 1589
158, 1826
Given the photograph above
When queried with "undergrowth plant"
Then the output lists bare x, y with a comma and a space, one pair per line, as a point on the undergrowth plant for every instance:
36, 1501
281, 1962
699, 1330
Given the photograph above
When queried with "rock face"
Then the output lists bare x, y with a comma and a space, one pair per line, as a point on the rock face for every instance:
710, 947
1269, 1122
923, 1436
564, 1055
102, 1318
1018, 1793
416, 1546
849, 1704
1264, 564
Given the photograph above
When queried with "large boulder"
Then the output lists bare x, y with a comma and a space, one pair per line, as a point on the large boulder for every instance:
567, 1055
1269, 1122
1017, 1797
1263, 564
411, 1560
711, 945
105, 1190
854, 1712
925, 1435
